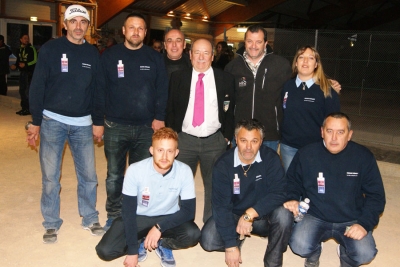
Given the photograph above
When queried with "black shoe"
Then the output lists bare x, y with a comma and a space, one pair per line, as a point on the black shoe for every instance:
95, 229
25, 112
19, 112
50, 236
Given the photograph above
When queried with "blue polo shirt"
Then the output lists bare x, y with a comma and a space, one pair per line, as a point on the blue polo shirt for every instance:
141, 177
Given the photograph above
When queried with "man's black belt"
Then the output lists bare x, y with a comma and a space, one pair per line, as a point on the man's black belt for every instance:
205, 136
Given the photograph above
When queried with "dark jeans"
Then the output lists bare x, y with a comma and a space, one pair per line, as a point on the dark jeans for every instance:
207, 151
113, 244
311, 231
277, 226
25, 78
119, 140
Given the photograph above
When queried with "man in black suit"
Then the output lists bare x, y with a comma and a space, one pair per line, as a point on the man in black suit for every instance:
201, 109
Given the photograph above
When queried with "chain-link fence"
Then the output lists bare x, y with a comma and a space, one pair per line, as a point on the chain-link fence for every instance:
367, 65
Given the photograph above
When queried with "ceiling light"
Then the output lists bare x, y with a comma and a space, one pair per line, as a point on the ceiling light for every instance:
241, 29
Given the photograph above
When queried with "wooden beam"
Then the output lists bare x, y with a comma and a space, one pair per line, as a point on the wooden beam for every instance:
109, 9
206, 9
174, 6
236, 14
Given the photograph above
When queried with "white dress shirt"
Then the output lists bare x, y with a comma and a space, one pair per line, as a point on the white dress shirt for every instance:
211, 122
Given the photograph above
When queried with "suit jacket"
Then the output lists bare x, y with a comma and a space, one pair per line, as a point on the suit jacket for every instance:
178, 99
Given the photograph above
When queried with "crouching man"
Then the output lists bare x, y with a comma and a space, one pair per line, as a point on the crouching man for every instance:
152, 217
248, 192
342, 181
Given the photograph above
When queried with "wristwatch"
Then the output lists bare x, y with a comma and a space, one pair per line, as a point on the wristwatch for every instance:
29, 123
247, 218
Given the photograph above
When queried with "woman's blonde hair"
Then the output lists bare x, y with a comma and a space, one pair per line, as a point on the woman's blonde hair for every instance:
319, 75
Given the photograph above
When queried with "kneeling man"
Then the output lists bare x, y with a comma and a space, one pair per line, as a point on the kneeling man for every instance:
342, 181
248, 192
153, 218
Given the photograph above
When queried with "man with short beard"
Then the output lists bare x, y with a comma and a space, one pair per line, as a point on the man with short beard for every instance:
129, 105
158, 207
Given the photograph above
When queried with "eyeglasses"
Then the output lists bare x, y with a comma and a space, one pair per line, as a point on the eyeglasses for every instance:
157, 47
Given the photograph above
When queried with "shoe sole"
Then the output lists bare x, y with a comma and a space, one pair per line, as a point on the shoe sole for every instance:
93, 234
142, 260
50, 242
158, 254
44, 242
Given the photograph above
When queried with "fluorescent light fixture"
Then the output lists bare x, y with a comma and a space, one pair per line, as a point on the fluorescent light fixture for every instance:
241, 29
33, 18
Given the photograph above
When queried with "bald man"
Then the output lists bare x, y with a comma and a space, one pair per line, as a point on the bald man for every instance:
200, 108
175, 59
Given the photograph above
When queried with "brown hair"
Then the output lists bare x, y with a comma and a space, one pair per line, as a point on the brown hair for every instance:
319, 75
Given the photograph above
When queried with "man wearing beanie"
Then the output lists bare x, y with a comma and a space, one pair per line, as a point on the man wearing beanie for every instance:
60, 103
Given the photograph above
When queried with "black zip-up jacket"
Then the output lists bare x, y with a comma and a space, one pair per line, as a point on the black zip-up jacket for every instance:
260, 97
28, 55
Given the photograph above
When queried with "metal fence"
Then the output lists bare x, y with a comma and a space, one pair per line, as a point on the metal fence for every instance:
366, 64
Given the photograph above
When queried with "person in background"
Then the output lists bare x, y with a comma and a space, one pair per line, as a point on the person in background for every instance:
221, 57
110, 42
158, 207
343, 183
61, 95
157, 45
26, 61
5, 53
175, 59
306, 100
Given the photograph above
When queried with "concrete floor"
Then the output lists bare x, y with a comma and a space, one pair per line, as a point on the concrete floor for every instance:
21, 229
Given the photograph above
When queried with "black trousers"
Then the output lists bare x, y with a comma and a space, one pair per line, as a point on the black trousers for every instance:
25, 78
3, 84
113, 244
277, 226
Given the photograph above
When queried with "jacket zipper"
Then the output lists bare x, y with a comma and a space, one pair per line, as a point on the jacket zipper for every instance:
265, 73
254, 86
254, 93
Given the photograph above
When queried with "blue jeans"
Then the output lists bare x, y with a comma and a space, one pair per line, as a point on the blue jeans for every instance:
308, 234
53, 135
277, 226
272, 144
287, 154
119, 140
